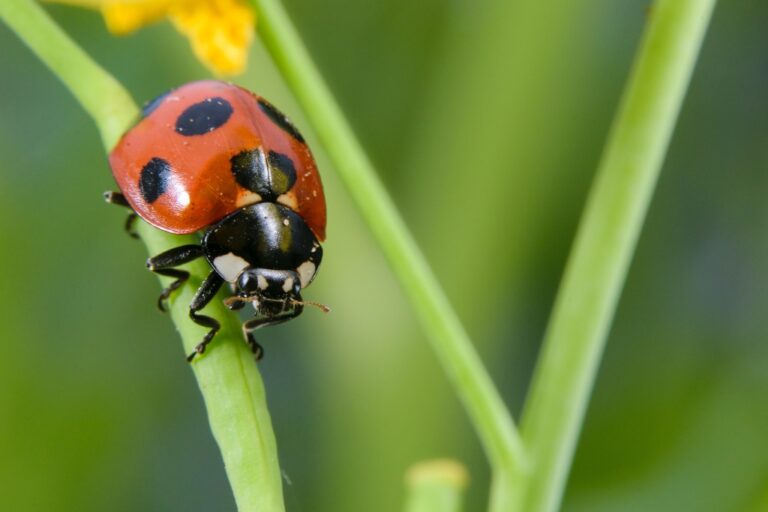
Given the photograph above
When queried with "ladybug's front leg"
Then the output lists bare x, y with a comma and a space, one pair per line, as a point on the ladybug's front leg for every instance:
162, 264
119, 199
259, 322
205, 293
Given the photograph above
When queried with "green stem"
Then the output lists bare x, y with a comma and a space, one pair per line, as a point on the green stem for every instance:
450, 341
232, 389
435, 486
227, 375
605, 241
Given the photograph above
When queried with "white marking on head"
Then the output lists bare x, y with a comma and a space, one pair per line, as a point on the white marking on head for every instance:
288, 284
229, 266
306, 272
261, 282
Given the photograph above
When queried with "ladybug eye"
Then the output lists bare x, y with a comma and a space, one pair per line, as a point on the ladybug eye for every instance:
248, 282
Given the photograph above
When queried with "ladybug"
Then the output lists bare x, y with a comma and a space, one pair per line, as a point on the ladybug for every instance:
214, 158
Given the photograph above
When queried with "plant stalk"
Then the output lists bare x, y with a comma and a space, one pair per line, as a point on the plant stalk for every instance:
487, 411
227, 374
605, 241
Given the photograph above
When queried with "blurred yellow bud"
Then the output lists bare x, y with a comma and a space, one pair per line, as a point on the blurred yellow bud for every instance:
126, 16
220, 31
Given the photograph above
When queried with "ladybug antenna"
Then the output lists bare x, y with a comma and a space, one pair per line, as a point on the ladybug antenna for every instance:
321, 307
235, 300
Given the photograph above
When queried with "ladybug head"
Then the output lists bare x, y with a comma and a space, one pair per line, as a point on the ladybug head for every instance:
271, 291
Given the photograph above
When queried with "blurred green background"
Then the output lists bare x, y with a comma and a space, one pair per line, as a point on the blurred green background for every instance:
486, 120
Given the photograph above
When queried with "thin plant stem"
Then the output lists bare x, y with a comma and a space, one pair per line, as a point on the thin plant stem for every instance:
227, 374
487, 411
605, 242
435, 486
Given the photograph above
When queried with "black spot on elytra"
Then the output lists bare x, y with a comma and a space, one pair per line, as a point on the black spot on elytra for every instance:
249, 169
154, 179
269, 177
204, 117
282, 172
152, 105
279, 119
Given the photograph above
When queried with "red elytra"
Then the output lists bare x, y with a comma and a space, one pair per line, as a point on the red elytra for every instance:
199, 187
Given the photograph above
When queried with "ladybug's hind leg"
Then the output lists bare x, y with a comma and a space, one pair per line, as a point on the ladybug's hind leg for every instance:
204, 294
119, 199
164, 262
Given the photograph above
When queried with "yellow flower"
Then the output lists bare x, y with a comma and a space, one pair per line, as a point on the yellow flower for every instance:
125, 16
220, 31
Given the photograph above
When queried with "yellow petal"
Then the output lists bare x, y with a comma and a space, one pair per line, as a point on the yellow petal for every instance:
220, 31
123, 17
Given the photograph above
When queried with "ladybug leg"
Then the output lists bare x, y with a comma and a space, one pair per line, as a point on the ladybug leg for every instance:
119, 199
248, 328
162, 264
257, 323
202, 297
180, 277
130, 219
